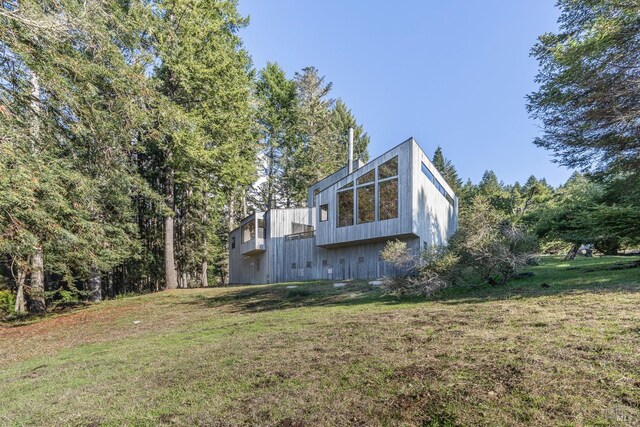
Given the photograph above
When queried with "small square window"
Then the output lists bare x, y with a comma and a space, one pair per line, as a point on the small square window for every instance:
324, 263
308, 264
342, 261
324, 213
293, 266
360, 260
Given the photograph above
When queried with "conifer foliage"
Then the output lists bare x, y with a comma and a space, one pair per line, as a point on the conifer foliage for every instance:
131, 136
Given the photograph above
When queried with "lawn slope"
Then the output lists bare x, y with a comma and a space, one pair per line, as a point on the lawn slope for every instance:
559, 348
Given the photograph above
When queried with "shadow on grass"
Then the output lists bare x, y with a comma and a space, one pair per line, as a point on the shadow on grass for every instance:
260, 298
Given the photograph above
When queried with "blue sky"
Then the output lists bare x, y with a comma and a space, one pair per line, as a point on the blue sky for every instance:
452, 73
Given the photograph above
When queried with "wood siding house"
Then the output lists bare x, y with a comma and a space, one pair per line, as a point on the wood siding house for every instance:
350, 218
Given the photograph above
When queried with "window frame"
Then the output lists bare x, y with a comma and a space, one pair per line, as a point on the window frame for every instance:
323, 209
251, 225
338, 204
383, 182
357, 202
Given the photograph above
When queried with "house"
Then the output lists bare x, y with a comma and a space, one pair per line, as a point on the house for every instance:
351, 214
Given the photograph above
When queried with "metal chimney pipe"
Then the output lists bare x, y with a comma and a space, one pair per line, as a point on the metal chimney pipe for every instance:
350, 160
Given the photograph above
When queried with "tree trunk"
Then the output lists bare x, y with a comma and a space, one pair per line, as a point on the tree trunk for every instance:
231, 213
36, 293
94, 286
35, 106
572, 252
204, 279
21, 302
270, 198
244, 204
171, 275
110, 284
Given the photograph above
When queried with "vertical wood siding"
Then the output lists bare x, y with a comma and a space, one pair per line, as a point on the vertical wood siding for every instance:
352, 252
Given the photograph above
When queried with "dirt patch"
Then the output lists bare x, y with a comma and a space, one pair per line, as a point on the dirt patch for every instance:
63, 321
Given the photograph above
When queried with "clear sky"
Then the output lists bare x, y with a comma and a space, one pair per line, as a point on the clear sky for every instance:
452, 73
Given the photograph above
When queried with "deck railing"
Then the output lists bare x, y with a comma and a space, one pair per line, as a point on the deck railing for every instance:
298, 236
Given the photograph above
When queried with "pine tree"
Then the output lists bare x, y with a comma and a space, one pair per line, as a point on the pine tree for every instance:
589, 94
210, 155
342, 119
447, 170
277, 120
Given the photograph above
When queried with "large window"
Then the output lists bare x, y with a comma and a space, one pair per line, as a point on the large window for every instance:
388, 199
367, 177
324, 213
249, 231
345, 208
388, 168
366, 203
388, 189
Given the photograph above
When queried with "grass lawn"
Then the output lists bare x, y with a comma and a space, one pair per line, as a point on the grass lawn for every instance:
566, 353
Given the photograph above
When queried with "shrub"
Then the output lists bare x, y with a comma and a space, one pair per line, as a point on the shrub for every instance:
7, 303
418, 274
491, 243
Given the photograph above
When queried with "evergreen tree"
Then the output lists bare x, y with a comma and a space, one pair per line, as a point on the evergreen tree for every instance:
204, 73
589, 95
277, 119
69, 103
447, 170
342, 119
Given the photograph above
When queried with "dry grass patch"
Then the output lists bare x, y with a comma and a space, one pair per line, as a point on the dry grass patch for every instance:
516, 355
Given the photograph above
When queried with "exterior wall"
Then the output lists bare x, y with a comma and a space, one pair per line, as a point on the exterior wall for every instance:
246, 268
425, 217
434, 219
349, 262
328, 234
278, 226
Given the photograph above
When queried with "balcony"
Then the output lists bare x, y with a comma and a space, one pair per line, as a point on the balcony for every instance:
253, 235
298, 236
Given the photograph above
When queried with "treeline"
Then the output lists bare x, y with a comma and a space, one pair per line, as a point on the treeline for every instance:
132, 134
593, 209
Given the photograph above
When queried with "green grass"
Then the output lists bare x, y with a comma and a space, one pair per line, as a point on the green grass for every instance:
567, 353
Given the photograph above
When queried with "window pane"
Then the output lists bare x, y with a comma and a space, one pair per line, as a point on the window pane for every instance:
347, 185
366, 204
324, 212
345, 208
367, 177
388, 204
449, 199
388, 168
427, 173
248, 231
315, 193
